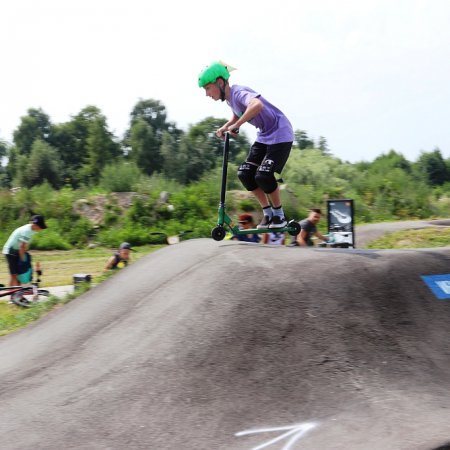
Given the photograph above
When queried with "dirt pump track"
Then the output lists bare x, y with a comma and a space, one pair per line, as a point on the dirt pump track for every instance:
207, 345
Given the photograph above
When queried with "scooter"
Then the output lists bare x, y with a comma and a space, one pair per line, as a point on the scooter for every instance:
225, 223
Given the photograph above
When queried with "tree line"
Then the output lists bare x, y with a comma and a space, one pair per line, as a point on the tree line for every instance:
83, 152
74, 153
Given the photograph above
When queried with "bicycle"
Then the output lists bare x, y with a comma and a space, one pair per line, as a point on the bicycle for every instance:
31, 293
24, 296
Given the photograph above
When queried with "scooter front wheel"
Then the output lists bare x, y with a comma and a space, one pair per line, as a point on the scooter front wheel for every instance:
218, 233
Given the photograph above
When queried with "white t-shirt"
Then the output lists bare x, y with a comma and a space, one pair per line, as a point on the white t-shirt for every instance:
21, 234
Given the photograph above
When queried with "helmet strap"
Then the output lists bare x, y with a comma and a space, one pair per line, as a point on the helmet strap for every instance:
221, 89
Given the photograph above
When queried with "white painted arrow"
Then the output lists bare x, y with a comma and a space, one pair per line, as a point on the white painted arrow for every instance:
293, 432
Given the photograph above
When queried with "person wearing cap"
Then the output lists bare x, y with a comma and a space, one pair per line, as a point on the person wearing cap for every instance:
16, 247
245, 223
120, 258
269, 153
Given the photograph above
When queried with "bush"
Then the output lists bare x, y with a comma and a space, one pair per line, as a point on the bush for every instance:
120, 177
135, 234
49, 240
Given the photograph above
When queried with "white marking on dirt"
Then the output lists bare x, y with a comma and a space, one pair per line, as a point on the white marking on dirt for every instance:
293, 432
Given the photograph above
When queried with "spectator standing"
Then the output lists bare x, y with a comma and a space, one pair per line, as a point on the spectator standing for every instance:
16, 247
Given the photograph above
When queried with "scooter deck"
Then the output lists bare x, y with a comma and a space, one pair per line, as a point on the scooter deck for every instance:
292, 228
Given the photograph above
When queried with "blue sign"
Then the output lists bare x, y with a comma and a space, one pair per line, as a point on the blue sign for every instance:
439, 284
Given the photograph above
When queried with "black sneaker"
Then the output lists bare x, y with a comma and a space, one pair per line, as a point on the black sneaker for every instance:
278, 222
265, 223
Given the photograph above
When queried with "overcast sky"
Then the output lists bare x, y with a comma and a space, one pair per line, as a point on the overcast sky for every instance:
368, 75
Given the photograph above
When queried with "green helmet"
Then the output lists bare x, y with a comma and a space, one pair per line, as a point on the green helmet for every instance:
212, 72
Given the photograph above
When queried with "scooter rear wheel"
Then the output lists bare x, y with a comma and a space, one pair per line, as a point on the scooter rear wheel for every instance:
295, 228
218, 233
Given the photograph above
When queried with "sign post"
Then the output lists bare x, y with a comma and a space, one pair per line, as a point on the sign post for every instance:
340, 222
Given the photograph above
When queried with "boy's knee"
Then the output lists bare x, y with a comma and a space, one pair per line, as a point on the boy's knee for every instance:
246, 173
265, 177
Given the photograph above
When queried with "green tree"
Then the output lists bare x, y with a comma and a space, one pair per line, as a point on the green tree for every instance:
172, 161
434, 167
145, 149
35, 125
3, 155
391, 190
101, 150
71, 149
120, 176
203, 136
389, 161
3, 150
72, 141
43, 165
152, 111
323, 146
302, 140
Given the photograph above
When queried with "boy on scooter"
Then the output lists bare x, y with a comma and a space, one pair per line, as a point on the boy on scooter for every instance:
273, 144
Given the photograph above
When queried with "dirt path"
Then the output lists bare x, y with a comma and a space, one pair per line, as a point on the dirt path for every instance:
234, 346
366, 233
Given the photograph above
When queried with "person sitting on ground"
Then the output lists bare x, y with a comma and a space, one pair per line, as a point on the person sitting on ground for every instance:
16, 246
309, 229
246, 223
274, 238
120, 258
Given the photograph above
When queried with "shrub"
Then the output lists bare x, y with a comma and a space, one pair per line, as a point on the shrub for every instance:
120, 177
49, 240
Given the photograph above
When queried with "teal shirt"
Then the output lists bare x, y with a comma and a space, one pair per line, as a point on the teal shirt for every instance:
21, 234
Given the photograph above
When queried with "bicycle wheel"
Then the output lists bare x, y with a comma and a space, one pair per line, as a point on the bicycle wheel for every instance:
27, 296
20, 300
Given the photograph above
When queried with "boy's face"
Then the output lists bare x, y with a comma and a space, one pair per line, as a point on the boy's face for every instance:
124, 253
212, 90
314, 217
35, 227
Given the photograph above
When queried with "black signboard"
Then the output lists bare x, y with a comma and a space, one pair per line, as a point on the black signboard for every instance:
340, 222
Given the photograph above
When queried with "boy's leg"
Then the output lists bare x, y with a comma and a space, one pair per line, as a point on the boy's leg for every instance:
257, 175
13, 261
261, 196
277, 155
275, 197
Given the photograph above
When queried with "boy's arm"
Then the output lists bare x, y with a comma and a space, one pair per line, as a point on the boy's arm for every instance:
321, 236
224, 128
109, 264
301, 238
254, 107
22, 250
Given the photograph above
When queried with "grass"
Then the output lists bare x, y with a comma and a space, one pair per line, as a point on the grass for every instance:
59, 266
423, 238
58, 269
13, 317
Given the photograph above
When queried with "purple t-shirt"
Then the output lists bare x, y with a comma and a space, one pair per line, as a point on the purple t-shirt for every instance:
273, 126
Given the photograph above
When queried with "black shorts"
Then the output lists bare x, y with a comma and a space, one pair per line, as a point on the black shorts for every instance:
278, 153
13, 263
